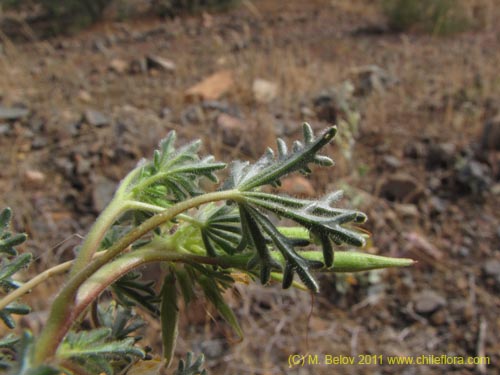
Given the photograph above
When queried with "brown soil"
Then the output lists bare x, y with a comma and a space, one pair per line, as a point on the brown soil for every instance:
415, 165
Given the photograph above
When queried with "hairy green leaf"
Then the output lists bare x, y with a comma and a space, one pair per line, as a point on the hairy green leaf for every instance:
174, 174
213, 294
132, 290
189, 367
169, 317
269, 170
95, 350
122, 321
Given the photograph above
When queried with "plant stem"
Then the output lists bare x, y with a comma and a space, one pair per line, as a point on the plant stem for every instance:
61, 316
38, 279
344, 261
93, 239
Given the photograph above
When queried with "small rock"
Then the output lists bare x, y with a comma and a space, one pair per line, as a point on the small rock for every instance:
138, 65
333, 102
414, 150
213, 348
306, 112
372, 78
212, 87
83, 165
39, 143
95, 118
435, 183
103, 192
13, 113
264, 91
407, 210
119, 66
492, 268
34, 178
232, 129
4, 129
392, 161
439, 317
495, 189
166, 113
36, 124
84, 96
99, 45
428, 302
65, 166
440, 155
298, 186
419, 243
157, 62
192, 114
400, 188
474, 177
436, 205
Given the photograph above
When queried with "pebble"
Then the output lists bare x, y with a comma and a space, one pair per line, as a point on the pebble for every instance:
463, 251
439, 317
4, 129
407, 210
440, 155
157, 62
211, 87
474, 177
213, 349
436, 205
232, 128
264, 91
13, 113
428, 302
103, 190
119, 66
372, 78
95, 118
400, 188
492, 268
34, 177
39, 143
166, 113
84, 96
392, 161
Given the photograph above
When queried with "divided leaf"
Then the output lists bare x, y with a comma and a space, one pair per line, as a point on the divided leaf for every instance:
174, 174
189, 367
213, 293
10, 263
221, 230
132, 290
269, 169
96, 349
326, 222
122, 321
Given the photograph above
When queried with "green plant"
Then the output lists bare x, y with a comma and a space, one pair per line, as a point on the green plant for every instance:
160, 213
57, 16
436, 16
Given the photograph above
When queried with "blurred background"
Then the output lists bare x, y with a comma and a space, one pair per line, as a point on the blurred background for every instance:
88, 87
